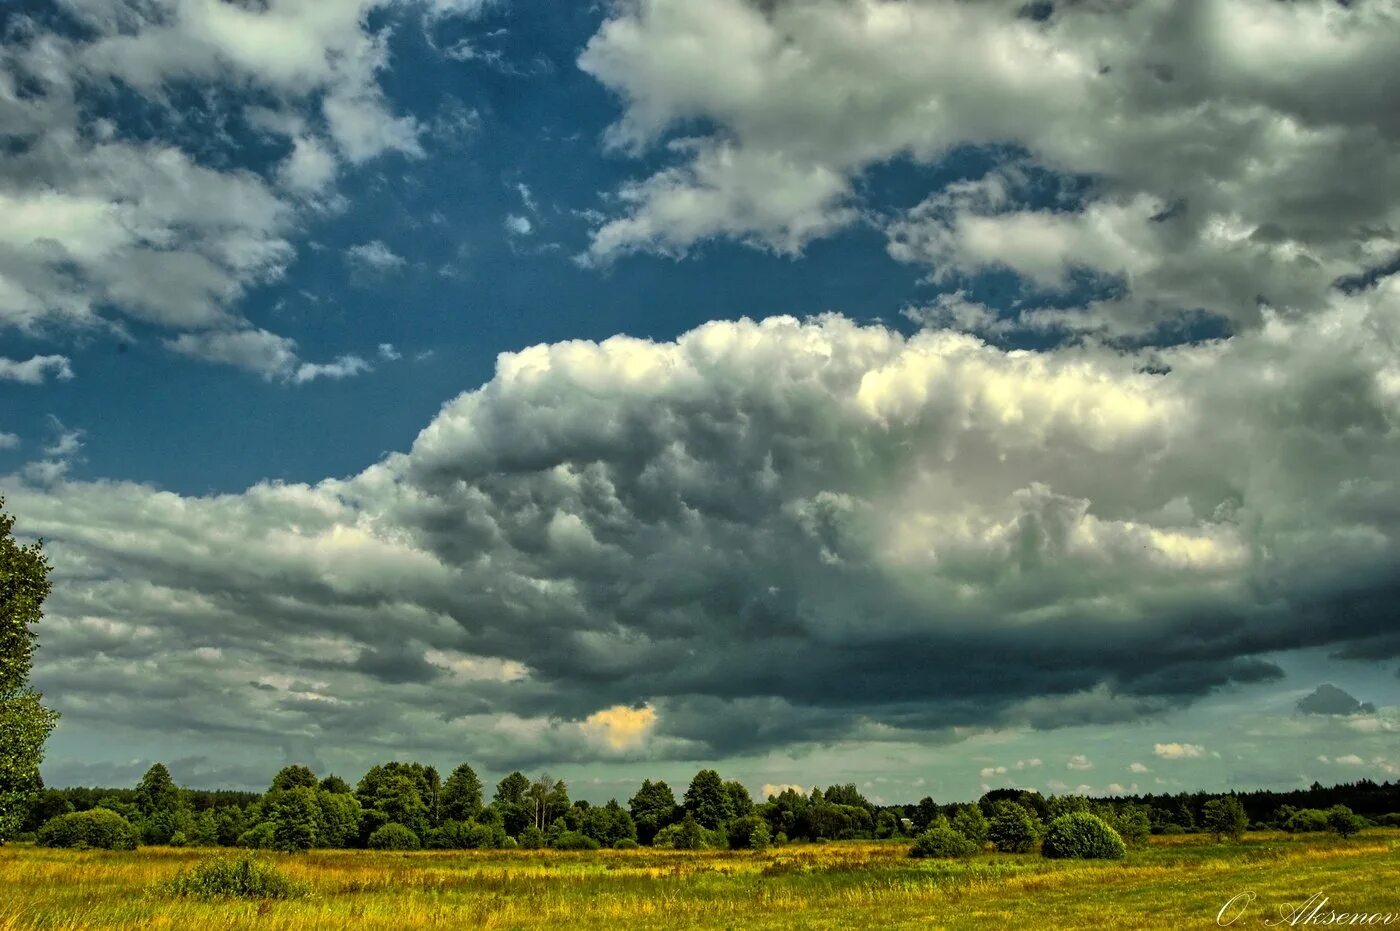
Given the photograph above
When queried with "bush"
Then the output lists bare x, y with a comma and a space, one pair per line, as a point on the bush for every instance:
942, 841
532, 838
243, 877
575, 840
462, 835
1013, 829
971, 823
626, 843
1306, 820
748, 833
1082, 836
258, 837
393, 836
97, 828
1391, 820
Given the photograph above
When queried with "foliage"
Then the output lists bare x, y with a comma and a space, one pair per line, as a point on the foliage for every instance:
941, 841
707, 801
243, 877
748, 833
25, 724
1225, 817
652, 809
1012, 828
461, 795
574, 840
393, 836
297, 821
1082, 836
971, 823
532, 838
96, 828
608, 824
293, 777
1343, 822
406, 793
1305, 820
689, 834
464, 835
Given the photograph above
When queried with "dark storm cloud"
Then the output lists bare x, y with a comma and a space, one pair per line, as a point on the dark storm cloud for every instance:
1328, 699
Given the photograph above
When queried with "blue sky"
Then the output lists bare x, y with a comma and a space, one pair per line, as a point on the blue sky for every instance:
955, 386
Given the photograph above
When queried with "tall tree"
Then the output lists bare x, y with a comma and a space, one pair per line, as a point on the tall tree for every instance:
461, 795
707, 799
652, 808
24, 722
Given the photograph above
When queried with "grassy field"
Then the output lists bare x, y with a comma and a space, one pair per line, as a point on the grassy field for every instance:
1178, 882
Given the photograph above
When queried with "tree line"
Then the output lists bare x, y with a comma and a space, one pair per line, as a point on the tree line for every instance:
405, 806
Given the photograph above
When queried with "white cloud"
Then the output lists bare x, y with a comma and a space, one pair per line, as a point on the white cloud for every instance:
388, 353
1273, 192
267, 354
374, 256
35, 370
620, 727
1138, 768
1178, 751
1079, 762
518, 225
8, 440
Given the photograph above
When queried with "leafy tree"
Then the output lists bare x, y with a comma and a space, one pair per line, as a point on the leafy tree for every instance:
925, 813
25, 724
461, 795
971, 823
297, 820
340, 818
398, 795
336, 786
1013, 829
48, 805
707, 801
1342, 822
293, 777
549, 799
687, 834
1225, 817
513, 803
230, 823
1067, 804
847, 794
749, 832
740, 801
651, 808
157, 792
609, 824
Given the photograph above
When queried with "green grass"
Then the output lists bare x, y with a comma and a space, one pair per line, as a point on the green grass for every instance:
1177, 882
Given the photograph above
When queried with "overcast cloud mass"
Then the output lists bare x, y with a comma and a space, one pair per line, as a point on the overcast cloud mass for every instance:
1073, 466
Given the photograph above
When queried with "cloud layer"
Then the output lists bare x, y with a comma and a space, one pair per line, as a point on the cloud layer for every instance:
764, 534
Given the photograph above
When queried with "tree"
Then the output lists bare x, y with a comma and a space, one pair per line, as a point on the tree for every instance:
156, 792
925, 814
549, 799
1225, 817
707, 800
336, 786
297, 820
971, 823
461, 795
740, 801
399, 797
1342, 822
651, 808
292, 777
1013, 829
25, 724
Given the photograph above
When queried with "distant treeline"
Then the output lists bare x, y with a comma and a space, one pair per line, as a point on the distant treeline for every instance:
407, 805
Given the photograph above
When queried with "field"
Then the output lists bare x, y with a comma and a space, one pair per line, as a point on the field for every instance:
1178, 882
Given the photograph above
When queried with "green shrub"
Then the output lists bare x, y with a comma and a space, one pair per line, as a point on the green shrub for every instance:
626, 843
748, 833
942, 841
1013, 829
971, 823
393, 836
97, 828
462, 835
1391, 820
1306, 820
258, 837
575, 840
244, 877
1082, 836
532, 838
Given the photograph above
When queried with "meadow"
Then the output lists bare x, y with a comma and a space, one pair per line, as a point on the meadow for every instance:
1175, 882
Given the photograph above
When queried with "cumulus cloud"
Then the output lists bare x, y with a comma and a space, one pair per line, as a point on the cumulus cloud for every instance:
1079, 762
769, 534
620, 727
108, 221
1179, 751
774, 112
8, 440
35, 370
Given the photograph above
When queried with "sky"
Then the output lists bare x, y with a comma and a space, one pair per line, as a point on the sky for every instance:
930, 395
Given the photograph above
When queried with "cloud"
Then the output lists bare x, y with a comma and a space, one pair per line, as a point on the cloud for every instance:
517, 225
1138, 768
1328, 699
620, 727
114, 219
1178, 751
35, 370
773, 534
8, 440
1079, 762
771, 116
771, 789
374, 256
267, 354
